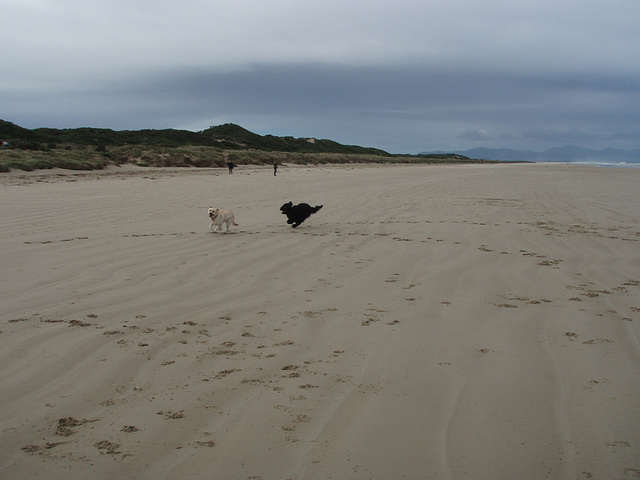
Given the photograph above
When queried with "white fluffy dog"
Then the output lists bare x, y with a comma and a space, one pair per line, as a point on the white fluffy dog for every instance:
220, 216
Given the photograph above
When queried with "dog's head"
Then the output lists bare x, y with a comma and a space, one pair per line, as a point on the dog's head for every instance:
286, 207
213, 212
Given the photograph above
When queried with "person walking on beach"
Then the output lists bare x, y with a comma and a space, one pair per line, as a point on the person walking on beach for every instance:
230, 164
275, 167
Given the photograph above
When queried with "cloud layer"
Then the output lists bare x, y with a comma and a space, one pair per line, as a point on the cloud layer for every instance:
405, 76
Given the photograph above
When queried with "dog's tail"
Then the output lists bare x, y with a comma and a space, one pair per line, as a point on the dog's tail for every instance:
316, 208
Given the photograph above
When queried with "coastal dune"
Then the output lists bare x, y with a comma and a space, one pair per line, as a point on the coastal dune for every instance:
435, 322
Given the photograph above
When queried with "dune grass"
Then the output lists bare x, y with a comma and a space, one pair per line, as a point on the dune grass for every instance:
29, 160
79, 157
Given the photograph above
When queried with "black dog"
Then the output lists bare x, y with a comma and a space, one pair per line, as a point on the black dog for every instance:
296, 214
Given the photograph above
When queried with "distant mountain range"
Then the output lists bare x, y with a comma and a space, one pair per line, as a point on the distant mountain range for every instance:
567, 153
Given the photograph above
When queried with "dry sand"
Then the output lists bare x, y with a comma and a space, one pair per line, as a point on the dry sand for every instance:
430, 322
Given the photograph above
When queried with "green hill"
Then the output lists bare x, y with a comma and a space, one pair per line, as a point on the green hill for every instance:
94, 148
228, 136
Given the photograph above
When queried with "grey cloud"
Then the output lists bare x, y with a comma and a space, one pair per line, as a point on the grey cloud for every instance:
573, 135
405, 76
353, 104
475, 135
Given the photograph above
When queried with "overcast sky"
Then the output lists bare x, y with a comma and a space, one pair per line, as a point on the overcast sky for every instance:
403, 75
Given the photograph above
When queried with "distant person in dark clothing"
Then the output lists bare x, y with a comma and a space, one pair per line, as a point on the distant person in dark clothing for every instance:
230, 165
275, 167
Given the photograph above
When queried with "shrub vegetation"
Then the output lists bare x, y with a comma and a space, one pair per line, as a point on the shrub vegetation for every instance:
95, 148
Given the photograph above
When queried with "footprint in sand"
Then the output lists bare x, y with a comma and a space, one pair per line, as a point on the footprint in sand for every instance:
597, 340
65, 425
209, 444
171, 415
32, 448
481, 352
107, 447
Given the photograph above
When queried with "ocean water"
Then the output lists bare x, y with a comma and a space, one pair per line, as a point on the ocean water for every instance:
612, 164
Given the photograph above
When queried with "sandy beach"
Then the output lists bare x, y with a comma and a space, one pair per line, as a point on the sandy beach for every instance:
430, 322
